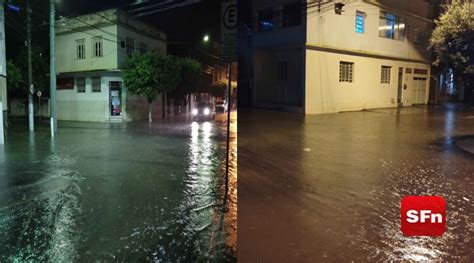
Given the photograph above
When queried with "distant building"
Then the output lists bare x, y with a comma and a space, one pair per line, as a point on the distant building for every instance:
91, 52
331, 56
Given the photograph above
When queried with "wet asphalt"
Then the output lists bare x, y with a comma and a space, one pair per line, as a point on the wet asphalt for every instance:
116, 192
327, 188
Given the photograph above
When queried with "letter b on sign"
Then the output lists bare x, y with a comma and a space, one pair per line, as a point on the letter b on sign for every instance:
423, 215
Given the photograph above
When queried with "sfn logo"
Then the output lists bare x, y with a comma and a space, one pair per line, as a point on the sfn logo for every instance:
423, 215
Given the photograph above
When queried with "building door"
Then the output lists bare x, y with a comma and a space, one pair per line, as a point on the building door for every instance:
115, 98
400, 86
419, 91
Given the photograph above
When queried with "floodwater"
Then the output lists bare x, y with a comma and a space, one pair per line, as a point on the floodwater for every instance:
107, 192
327, 188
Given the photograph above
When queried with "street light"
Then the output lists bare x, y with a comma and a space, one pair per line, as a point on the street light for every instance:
206, 38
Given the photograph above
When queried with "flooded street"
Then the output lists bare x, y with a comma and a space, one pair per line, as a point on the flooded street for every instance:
124, 191
327, 188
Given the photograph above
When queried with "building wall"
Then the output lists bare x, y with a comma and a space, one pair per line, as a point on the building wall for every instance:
325, 94
282, 44
115, 27
95, 106
281, 91
88, 106
326, 48
66, 58
279, 36
321, 31
125, 32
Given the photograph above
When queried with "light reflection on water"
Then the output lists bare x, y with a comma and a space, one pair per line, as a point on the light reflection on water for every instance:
134, 194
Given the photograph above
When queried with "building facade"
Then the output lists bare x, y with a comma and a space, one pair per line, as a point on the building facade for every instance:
331, 56
91, 52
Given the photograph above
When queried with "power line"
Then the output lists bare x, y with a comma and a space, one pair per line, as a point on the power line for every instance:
164, 7
14, 24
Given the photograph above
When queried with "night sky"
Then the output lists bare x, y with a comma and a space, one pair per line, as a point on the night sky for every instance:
186, 24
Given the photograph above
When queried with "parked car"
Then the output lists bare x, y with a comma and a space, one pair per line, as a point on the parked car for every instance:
203, 111
221, 107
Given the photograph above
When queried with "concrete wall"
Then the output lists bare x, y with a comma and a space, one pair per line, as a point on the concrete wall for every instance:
66, 58
279, 36
125, 32
19, 107
332, 38
338, 31
88, 106
272, 91
115, 27
325, 94
95, 106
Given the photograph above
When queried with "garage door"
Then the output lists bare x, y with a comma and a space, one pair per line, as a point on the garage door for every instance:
419, 91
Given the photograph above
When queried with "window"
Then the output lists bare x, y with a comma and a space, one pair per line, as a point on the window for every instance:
130, 47
265, 19
80, 49
143, 48
385, 76
81, 85
65, 83
346, 71
291, 15
282, 73
391, 26
96, 84
360, 22
97, 47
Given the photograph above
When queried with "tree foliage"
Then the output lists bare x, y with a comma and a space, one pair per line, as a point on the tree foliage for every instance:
189, 77
190, 71
219, 88
17, 73
15, 81
40, 68
151, 74
453, 40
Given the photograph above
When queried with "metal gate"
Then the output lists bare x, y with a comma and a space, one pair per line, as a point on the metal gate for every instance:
419, 91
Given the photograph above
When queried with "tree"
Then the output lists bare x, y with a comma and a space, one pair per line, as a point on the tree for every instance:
452, 42
219, 88
189, 78
190, 71
15, 81
149, 75
40, 68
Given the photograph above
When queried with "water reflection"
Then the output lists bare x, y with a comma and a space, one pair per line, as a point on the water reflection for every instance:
40, 206
332, 185
108, 193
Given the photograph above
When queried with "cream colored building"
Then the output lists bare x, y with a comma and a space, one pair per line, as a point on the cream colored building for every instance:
311, 58
91, 52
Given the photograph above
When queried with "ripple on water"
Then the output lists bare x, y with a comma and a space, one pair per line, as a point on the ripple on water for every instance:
382, 238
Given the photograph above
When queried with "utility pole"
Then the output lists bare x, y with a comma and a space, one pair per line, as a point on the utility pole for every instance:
31, 90
52, 68
3, 71
229, 109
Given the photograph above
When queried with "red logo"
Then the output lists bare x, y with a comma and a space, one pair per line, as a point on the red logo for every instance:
423, 215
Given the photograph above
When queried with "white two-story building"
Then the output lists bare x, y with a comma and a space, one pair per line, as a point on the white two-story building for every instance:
91, 52
331, 56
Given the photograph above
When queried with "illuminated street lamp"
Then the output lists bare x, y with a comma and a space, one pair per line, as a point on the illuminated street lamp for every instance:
206, 38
